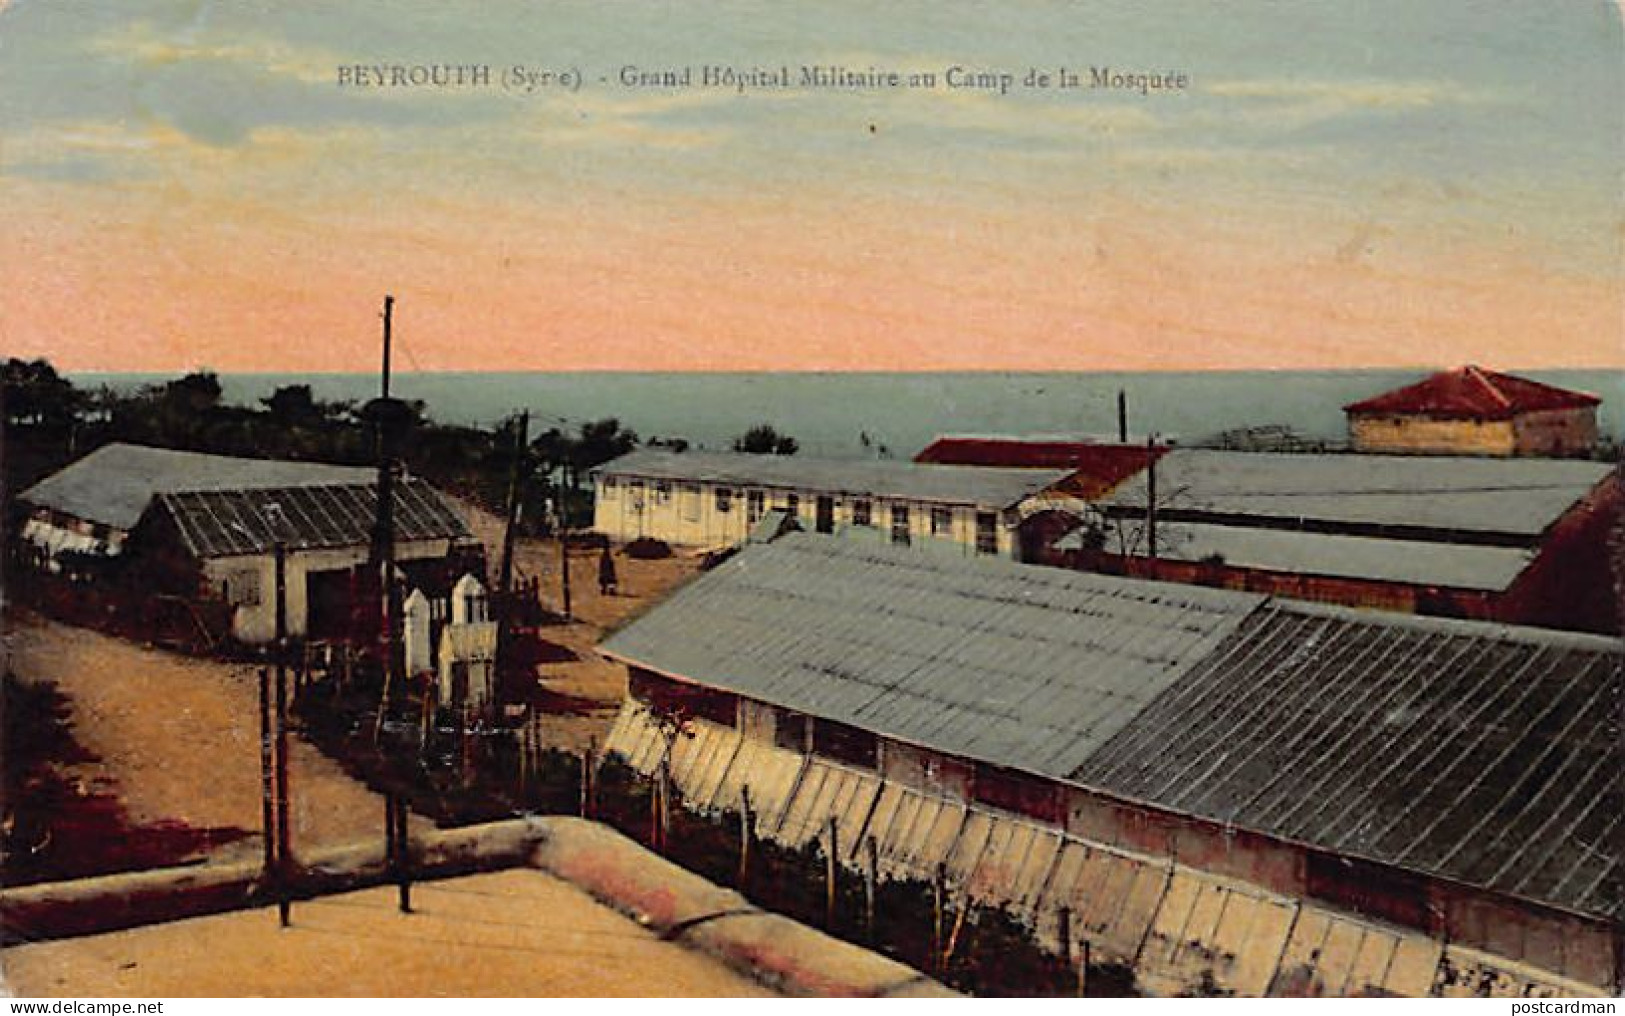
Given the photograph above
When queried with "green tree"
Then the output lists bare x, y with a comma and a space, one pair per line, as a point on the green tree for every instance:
764, 439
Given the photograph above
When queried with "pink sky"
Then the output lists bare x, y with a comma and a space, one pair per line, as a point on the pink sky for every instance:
192, 189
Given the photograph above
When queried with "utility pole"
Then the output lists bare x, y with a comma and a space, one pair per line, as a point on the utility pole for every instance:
284, 869
390, 416
515, 488
1151, 496
515, 479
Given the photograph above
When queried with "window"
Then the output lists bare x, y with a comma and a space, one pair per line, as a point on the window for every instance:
861, 513
635, 491
755, 505
682, 700
1017, 792
690, 504
790, 730
611, 488
824, 514
792, 505
663, 492
942, 521
899, 523
845, 744
987, 533
725, 499
242, 589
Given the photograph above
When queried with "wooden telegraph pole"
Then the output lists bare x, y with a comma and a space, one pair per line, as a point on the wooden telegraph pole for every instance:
1151, 497
505, 575
267, 778
390, 416
515, 481
284, 868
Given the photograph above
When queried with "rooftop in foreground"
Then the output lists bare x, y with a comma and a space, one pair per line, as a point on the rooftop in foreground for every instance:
513, 933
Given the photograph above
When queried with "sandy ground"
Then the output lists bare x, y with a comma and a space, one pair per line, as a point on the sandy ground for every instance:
512, 933
178, 738
640, 584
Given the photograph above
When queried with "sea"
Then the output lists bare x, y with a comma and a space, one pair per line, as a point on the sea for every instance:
865, 415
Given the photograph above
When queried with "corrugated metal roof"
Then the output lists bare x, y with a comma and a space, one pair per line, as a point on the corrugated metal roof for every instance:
1513, 496
223, 523
1025, 666
1478, 752
114, 484
986, 488
1474, 393
1481, 753
1458, 566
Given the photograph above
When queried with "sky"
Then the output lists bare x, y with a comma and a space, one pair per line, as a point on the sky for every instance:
186, 184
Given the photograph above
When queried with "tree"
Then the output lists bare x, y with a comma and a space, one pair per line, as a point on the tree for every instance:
197, 392
763, 439
294, 406
34, 393
599, 441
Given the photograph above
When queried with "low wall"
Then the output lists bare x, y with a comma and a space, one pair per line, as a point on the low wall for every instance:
672, 902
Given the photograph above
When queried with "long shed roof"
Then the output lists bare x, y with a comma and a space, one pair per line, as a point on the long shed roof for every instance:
114, 484
1520, 497
1481, 753
1412, 562
1476, 752
1029, 667
987, 488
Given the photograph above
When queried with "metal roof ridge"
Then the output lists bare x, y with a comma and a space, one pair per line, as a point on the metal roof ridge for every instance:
1528, 634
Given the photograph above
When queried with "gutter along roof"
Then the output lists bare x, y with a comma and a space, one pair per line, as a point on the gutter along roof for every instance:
911, 481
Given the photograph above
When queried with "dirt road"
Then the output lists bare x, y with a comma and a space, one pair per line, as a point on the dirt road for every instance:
512, 933
585, 676
178, 738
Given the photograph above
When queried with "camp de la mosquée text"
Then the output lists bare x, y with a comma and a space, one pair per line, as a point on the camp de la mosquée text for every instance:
531, 79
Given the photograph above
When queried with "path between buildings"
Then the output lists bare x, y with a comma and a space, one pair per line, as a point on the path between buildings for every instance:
177, 738
586, 676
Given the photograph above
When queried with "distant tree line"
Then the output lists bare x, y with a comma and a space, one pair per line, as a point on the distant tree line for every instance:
49, 422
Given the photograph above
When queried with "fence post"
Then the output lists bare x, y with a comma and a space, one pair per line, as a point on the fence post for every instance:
403, 847
665, 802
654, 805
1083, 968
871, 876
592, 777
1064, 933
829, 875
743, 881
938, 890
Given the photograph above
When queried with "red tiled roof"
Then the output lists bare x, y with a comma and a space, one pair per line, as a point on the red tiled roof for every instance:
1473, 393
1099, 467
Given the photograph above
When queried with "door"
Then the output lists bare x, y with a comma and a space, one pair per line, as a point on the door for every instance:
824, 514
